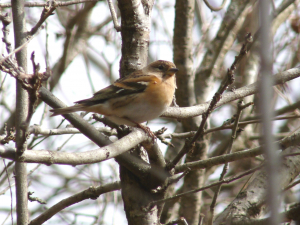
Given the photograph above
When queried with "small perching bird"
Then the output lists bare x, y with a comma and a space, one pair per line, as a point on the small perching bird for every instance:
141, 96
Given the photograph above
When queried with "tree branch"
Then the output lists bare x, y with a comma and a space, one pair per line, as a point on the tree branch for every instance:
23, 108
49, 157
286, 142
90, 193
43, 4
186, 112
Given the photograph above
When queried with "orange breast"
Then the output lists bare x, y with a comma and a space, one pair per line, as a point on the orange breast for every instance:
161, 92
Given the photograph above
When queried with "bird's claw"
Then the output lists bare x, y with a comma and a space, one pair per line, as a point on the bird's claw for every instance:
148, 131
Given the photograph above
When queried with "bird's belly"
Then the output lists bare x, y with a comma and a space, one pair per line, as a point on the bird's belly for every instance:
143, 111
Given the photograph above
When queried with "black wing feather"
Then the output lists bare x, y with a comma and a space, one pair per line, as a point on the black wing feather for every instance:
113, 91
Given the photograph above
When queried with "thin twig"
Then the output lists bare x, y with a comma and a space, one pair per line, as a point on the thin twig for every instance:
225, 181
180, 221
6, 20
207, 163
227, 127
88, 73
35, 199
20, 47
11, 197
215, 8
47, 69
175, 178
47, 11
292, 185
114, 16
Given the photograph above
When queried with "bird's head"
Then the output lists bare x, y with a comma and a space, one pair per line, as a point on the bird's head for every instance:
160, 67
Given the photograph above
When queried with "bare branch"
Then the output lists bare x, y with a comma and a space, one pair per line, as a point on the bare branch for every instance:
223, 127
43, 4
35, 199
49, 157
38, 130
47, 11
6, 20
90, 193
19, 48
82, 125
114, 16
180, 221
185, 112
286, 142
215, 8
22, 112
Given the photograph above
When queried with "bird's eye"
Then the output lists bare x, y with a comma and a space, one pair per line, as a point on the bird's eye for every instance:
161, 67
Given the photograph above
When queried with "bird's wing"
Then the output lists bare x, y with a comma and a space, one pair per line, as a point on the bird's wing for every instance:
132, 84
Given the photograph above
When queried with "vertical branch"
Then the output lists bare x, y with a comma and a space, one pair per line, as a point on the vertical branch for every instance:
22, 111
185, 96
6, 20
266, 111
135, 31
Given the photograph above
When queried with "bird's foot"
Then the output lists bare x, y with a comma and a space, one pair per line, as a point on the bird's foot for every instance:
147, 131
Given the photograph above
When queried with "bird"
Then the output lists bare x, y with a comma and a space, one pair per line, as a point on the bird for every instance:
141, 96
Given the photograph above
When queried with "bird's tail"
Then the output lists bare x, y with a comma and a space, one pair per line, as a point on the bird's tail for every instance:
66, 110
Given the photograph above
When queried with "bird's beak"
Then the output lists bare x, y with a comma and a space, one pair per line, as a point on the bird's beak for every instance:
172, 71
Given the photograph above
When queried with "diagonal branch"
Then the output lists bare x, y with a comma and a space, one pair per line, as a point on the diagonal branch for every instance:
47, 11
90, 193
49, 157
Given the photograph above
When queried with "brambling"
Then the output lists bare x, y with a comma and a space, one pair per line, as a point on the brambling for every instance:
141, 96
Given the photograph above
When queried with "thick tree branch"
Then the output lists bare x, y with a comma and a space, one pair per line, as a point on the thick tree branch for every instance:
138, 166
49, 157
82, 125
